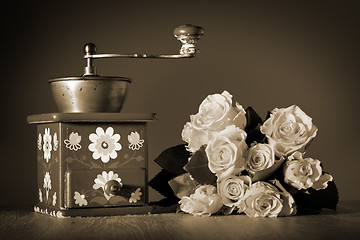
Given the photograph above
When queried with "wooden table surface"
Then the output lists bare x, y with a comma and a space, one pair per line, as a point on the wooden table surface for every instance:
23, 223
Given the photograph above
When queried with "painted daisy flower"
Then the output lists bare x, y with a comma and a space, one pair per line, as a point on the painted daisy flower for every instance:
47, 144
104, 144
102, 179
73, 142
135, 142
80, 199
135, 196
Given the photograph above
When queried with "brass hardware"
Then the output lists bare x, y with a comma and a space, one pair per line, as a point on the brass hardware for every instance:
112, 188
187, 34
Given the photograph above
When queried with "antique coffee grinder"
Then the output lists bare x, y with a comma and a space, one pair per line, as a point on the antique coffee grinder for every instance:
92, 159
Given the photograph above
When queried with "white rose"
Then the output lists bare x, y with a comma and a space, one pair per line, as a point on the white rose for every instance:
262, 200
288, 130
216, 112
225, 152
232, 189
289, 205
194, 137
260, 157
305, 173
203, 202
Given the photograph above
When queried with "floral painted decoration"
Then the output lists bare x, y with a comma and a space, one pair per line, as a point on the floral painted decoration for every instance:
135, 196
104, 144
135, 142
47, 184
47, 147
102, 179
233, 162
73, 142
56, 142
54, 199
80, 199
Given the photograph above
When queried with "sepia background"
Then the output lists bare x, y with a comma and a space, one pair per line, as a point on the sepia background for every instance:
267, 54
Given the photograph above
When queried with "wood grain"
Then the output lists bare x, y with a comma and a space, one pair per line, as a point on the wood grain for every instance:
22, 223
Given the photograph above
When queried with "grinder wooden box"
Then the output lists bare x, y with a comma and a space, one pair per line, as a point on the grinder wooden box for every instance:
92, 163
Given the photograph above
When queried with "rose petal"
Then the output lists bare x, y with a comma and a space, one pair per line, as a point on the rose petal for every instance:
227, 95
298, 112
322, 182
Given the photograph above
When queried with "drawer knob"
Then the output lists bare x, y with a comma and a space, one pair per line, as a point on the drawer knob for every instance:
112, 187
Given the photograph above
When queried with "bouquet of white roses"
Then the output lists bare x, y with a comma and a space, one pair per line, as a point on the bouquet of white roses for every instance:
233, 162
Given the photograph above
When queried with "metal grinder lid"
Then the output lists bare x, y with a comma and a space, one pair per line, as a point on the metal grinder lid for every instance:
91, 77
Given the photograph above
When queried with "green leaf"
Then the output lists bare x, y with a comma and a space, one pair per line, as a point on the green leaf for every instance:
311, 201
198, 168
183, 185
255, 135
174, 159
160, 183
314, 200
253, 123
252, 119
